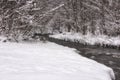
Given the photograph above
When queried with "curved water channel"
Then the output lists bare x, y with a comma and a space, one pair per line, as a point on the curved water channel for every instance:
107, 56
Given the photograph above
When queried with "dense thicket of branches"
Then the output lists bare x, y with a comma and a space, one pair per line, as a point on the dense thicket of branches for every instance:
22, 18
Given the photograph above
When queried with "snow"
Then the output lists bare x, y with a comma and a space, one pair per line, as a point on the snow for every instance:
48, 61
88, 39
2, 38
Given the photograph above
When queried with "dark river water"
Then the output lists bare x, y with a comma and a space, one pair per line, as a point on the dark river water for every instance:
107, 56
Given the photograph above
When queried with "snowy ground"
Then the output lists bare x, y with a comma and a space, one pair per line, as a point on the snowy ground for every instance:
89, 38
49, 61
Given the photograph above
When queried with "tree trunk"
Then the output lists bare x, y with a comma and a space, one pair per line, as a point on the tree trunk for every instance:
102, 18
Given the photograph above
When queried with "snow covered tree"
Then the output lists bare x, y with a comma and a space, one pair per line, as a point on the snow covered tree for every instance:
22, 18
15, 17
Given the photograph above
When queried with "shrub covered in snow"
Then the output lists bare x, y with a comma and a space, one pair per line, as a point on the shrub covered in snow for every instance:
89, 39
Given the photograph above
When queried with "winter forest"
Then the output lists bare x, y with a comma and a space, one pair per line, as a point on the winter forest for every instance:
23, 18
60, 39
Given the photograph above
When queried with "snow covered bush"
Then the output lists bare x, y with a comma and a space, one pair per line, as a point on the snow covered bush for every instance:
89, 39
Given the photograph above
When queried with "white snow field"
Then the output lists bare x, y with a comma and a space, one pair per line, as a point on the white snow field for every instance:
48, 61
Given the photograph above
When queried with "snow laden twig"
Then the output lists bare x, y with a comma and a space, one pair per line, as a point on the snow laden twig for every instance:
42, 15
52, 10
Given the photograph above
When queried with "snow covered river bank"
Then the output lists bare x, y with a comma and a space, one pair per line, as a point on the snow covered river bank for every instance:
48, 61
107, 56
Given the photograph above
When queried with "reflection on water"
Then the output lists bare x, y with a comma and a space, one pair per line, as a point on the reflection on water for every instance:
109, 57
